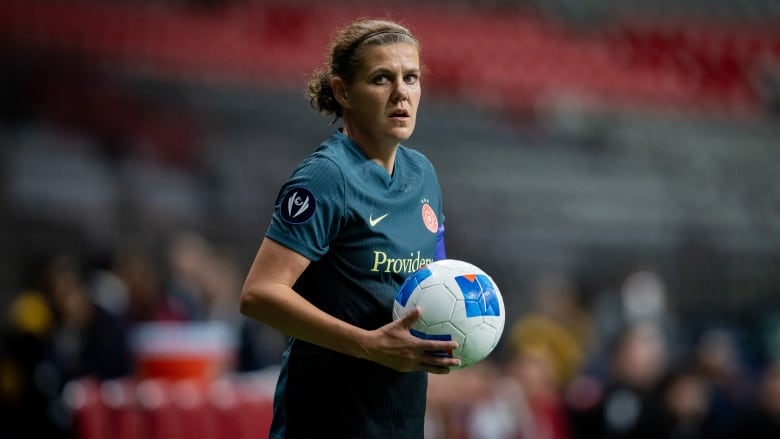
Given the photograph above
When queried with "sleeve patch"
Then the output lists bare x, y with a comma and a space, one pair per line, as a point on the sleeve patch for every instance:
298, 205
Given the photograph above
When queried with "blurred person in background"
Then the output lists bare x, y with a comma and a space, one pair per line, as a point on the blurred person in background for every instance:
558, 321
478, 402
536, 368
687, 401
639, 305
718, 359
355, 219
642, 297
548, 346
143, 282
632, 404
189, 256
53, 333
761, 420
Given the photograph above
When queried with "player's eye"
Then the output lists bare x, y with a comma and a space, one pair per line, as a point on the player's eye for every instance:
411, 79
381, 79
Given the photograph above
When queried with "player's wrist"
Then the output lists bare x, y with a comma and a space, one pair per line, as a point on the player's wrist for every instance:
361, 343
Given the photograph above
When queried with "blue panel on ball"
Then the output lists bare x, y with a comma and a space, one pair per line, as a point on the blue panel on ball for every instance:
425, 336
411, 284
480, 295
441, 337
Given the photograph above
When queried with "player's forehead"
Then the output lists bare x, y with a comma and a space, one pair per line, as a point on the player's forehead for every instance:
404, 56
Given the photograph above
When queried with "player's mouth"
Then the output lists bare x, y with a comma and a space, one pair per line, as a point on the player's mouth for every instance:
400, 114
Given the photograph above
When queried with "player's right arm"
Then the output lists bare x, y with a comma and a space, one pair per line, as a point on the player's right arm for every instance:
268, 296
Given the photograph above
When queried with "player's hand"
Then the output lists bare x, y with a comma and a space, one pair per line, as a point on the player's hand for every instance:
394, 346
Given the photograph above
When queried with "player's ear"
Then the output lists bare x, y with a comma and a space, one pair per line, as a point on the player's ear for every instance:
339, 91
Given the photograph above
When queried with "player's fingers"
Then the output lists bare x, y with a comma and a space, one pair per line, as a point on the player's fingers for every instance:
441, 346
441, 365
440, 355
439, 370
409, 318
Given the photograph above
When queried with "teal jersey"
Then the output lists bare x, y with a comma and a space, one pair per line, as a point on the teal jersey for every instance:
365, 232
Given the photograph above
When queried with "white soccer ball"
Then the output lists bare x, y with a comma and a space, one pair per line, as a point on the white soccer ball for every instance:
459, 302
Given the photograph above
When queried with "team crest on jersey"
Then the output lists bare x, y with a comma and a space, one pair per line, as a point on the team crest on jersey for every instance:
298, 205
429, 218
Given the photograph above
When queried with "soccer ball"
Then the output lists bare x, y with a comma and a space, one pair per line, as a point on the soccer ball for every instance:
459, 302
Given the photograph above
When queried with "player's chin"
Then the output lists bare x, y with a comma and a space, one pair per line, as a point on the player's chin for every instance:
402, 130
401, 134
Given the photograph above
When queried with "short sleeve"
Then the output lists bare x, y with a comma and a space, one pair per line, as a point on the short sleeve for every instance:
309, 209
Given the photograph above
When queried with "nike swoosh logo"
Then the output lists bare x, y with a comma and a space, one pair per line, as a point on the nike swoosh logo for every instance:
374, 221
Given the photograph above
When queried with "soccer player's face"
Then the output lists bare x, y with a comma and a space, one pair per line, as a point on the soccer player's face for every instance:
384, 96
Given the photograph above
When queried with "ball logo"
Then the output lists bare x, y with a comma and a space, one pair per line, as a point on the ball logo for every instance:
298, 206
429, 218
479, 294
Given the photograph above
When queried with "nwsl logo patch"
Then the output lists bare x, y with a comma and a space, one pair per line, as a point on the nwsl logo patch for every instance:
297, 206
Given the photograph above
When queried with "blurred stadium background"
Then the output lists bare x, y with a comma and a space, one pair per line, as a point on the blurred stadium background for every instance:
585, 140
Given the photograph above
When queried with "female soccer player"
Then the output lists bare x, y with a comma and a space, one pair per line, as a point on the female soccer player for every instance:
357, 216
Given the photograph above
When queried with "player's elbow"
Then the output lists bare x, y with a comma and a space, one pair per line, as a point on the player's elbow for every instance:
249, 302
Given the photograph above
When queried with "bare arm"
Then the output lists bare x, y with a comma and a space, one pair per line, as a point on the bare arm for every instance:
268, 296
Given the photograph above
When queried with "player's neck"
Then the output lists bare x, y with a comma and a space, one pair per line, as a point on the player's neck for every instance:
381, 153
